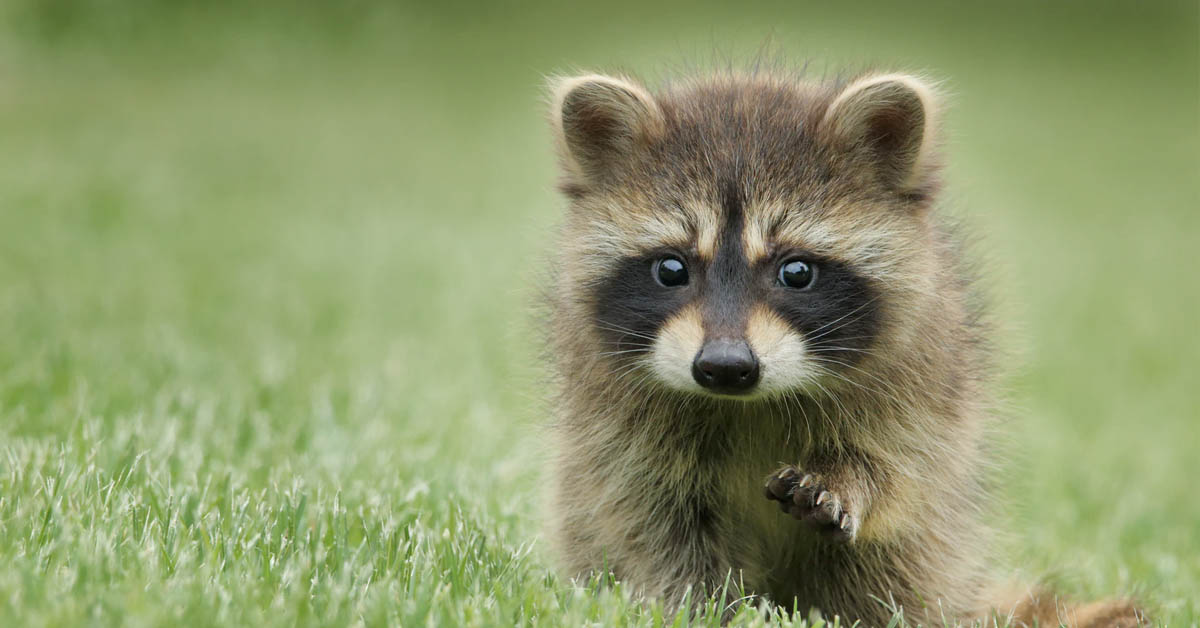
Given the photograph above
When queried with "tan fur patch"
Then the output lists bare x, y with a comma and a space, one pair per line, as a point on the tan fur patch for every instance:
874, 240
782, 358
777, 224
702, 219
676, 347
1030, 606
755, 242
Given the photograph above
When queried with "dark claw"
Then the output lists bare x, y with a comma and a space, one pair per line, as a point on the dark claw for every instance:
779, 486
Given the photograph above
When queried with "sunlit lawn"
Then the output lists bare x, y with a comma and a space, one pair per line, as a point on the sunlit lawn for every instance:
266, 354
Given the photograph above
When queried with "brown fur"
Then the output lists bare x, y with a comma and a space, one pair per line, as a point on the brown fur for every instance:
665, 487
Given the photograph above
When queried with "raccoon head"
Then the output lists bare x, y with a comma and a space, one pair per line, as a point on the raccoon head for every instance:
744, 236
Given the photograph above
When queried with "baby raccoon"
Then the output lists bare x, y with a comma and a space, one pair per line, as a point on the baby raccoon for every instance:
770, 367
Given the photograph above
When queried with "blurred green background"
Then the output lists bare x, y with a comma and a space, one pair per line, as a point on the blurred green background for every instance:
265, 274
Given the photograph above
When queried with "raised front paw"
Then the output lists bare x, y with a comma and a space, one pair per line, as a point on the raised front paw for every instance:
805, 497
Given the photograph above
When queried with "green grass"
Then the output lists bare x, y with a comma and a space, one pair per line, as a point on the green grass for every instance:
265, 351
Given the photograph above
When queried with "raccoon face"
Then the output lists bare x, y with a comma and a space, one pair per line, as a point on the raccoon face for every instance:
742, 237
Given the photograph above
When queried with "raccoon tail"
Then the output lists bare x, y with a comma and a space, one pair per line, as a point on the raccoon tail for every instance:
1027, 607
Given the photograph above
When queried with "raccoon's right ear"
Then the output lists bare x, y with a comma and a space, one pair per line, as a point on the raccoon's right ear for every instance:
599, 121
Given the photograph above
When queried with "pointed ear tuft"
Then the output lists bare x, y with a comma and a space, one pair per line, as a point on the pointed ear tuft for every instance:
889, 120
600, 120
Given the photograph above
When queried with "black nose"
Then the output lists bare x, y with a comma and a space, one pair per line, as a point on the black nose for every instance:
726, 366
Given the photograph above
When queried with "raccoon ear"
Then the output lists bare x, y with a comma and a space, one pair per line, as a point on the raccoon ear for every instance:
889, 120
599, 120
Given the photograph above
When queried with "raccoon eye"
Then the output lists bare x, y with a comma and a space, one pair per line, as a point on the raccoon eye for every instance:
670, 272
797, 274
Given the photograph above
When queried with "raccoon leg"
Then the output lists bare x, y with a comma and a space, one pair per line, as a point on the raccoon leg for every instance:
818, 500
658, 541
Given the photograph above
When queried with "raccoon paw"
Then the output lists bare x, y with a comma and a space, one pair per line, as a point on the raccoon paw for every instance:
805, 497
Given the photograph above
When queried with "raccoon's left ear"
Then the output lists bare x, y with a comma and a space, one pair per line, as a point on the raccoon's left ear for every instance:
888, 120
